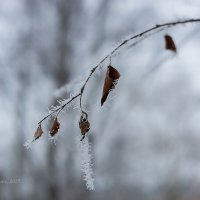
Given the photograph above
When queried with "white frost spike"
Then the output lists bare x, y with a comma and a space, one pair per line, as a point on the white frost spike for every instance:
86, 164
53, 139
27, 144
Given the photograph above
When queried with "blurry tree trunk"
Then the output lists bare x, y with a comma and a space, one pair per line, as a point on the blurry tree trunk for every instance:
63, 53
100, 29
19, 155
21, 161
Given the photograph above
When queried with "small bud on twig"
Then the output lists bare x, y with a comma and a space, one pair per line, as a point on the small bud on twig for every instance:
55, 127
84, 124
38, 133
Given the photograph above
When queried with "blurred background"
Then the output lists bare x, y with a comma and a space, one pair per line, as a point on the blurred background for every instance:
145, 139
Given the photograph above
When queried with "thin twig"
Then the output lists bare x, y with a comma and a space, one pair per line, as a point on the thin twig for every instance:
159, 27
59, 109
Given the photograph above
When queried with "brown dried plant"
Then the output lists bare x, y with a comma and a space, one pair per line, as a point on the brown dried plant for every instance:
169, 43
111, 78
112, 75
55, 127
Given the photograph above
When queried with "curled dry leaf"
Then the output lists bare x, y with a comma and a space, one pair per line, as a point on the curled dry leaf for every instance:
55, 127
169, 43
38, 132
84, 125
111, 78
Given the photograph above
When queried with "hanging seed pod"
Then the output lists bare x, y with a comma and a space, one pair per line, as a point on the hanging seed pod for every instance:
111, 78
55, 127
38, 132
84, 124
169, 43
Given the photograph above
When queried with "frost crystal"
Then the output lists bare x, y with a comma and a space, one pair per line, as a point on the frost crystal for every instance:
86, 164
27, 144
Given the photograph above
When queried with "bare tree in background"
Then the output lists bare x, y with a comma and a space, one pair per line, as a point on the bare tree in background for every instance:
67, 12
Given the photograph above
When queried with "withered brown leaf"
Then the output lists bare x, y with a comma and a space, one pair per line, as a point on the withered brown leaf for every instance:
84, 125
55, 127
169, 43
38, 132
111, 78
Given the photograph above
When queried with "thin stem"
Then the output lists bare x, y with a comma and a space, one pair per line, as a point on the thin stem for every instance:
110, 60
59, 109
123, 43
158, 27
